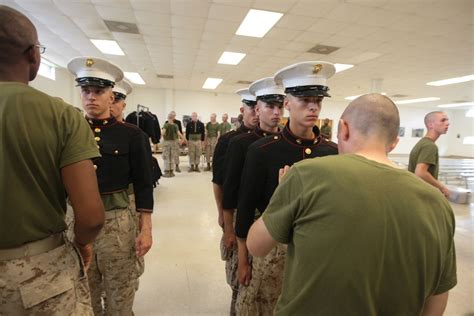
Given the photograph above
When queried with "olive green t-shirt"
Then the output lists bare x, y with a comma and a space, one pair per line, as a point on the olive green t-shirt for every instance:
212, 130
224, 128
39, 135
171, 131
116, 200
425, 151
363, 239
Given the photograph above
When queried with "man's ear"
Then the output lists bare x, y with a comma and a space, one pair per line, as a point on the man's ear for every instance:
286, 104
242, 109
393, 145
343, 130
124, 106
112, 96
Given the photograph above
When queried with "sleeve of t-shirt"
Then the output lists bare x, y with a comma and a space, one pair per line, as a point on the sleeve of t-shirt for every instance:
78, 141
284, 206
427, 155
448, 277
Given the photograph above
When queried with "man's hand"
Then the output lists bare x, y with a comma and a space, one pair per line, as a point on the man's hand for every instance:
220, 220
144, 240
244, 271
229, 239
283, 171
86, 254
445, 191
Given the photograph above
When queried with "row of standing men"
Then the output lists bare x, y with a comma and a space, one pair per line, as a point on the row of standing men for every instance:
246, 167
199, 138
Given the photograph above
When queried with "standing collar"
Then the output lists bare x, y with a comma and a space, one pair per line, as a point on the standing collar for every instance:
95, 122
244, 128
292, 138
261, 133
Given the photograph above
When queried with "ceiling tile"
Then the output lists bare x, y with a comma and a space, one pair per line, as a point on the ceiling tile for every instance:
295, 22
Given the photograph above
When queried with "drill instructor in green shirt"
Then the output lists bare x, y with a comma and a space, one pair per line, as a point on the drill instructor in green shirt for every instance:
46, 149
370, 239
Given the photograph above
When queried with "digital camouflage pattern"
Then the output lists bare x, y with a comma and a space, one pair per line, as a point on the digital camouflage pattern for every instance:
261, 296
210, 147
231, 259
194, 151
51, 283
170, 151
114, 266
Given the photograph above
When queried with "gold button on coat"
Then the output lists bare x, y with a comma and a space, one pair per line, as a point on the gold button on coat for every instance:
308, 151
116, 152
95, 167
97, 138
97, 130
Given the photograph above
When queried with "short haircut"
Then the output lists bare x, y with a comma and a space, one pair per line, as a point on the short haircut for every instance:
430, 116
17, 33
374, 114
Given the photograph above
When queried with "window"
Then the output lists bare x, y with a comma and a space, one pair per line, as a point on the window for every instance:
47, 70
468, 140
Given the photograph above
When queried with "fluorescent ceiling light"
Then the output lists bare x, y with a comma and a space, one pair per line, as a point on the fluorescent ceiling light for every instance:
470, 113
451, 81
353, 97
417, 100
258, 22
230, 58
455, 105
211, 83
134, 77
342, 67
108, 47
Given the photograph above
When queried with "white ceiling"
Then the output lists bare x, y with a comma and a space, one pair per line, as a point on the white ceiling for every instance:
404, 42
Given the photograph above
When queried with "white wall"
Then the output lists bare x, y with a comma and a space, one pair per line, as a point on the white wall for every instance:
162, 101
460, 127
63, 86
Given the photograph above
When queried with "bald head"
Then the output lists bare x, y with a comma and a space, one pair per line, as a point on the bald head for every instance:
430, 117
17, 34
374, 115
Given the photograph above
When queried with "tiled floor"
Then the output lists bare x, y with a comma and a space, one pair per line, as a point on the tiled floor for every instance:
185, 276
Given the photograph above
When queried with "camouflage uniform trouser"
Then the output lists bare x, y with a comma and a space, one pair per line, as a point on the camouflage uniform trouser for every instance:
176, 153
140, 260
261, 296
170, 150
210, 146
194, 152
114, 266
50, 283
231, 259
